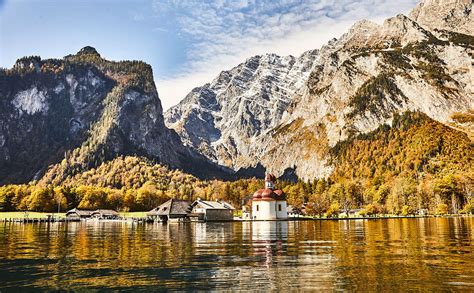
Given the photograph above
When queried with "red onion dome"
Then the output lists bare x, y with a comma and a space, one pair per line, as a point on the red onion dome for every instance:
268, 194
258, 194
280, 194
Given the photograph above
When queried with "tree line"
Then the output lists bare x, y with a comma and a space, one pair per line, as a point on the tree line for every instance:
404, 196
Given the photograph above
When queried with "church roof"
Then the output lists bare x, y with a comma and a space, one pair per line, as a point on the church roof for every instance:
268, 194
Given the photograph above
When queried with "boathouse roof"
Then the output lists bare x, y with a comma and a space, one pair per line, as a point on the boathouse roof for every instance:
215, 205
172, 207
81, 213
104, 213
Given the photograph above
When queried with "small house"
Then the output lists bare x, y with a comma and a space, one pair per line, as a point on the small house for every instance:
246, 213
294, 212
350, 213
423, 212
105, 214
173, 209
212, 210
78, 214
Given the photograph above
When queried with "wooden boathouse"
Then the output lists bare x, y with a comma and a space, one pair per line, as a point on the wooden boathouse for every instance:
172, 210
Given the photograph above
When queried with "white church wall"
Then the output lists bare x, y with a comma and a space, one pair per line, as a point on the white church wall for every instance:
264, 210
281, 212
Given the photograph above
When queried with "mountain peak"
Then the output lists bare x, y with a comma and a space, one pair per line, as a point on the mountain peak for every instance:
287, 113
363, 24
88, 50
358, 34
403, 29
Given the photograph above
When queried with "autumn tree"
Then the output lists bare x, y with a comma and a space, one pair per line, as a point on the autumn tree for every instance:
319, 203
7, 196
147, 196
294, 195
42, 200
333, 211
448, 192
92, 197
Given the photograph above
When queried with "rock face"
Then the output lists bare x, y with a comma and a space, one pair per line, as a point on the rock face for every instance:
226, 118
450, 15
286, 113
60, 117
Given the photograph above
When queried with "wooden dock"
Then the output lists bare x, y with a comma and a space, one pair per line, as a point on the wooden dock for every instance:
39, 220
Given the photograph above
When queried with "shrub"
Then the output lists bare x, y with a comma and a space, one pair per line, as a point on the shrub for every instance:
468, 209
407, 210
333, 211
442, 209
369, 210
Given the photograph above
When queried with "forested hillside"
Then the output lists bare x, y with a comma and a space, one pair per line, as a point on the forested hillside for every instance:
126, 183
417, 163
61, 117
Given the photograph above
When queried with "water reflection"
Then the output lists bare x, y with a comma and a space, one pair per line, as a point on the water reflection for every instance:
362, 255
267, 231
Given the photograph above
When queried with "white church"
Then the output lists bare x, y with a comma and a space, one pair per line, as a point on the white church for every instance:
269, 203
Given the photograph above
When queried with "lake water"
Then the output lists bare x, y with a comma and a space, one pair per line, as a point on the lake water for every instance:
358, 255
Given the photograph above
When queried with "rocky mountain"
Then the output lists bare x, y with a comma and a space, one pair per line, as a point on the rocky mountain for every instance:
225, 118
60, 117
287, 113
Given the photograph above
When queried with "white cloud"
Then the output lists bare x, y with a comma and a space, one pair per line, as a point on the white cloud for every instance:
226, 32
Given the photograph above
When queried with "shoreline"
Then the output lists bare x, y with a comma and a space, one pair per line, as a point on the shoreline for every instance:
53, 218
361, 218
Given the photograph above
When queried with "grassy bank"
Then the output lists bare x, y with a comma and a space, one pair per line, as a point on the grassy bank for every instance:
133, 214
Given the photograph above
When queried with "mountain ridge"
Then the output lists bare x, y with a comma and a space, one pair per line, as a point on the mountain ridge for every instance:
63, 116
355, 83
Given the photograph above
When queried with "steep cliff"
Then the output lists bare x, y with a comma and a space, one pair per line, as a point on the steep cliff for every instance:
225, 118
59, 117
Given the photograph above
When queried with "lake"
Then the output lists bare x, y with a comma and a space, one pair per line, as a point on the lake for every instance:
357, 255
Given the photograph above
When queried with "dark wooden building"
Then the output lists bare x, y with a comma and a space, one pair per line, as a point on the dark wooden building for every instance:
173, 209
97, 214
79, 214
105, 214
212, 210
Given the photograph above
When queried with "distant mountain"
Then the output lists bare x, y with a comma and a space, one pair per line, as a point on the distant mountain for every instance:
60, 117
286, 114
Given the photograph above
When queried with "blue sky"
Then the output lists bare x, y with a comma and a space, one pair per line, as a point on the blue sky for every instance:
187, 42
